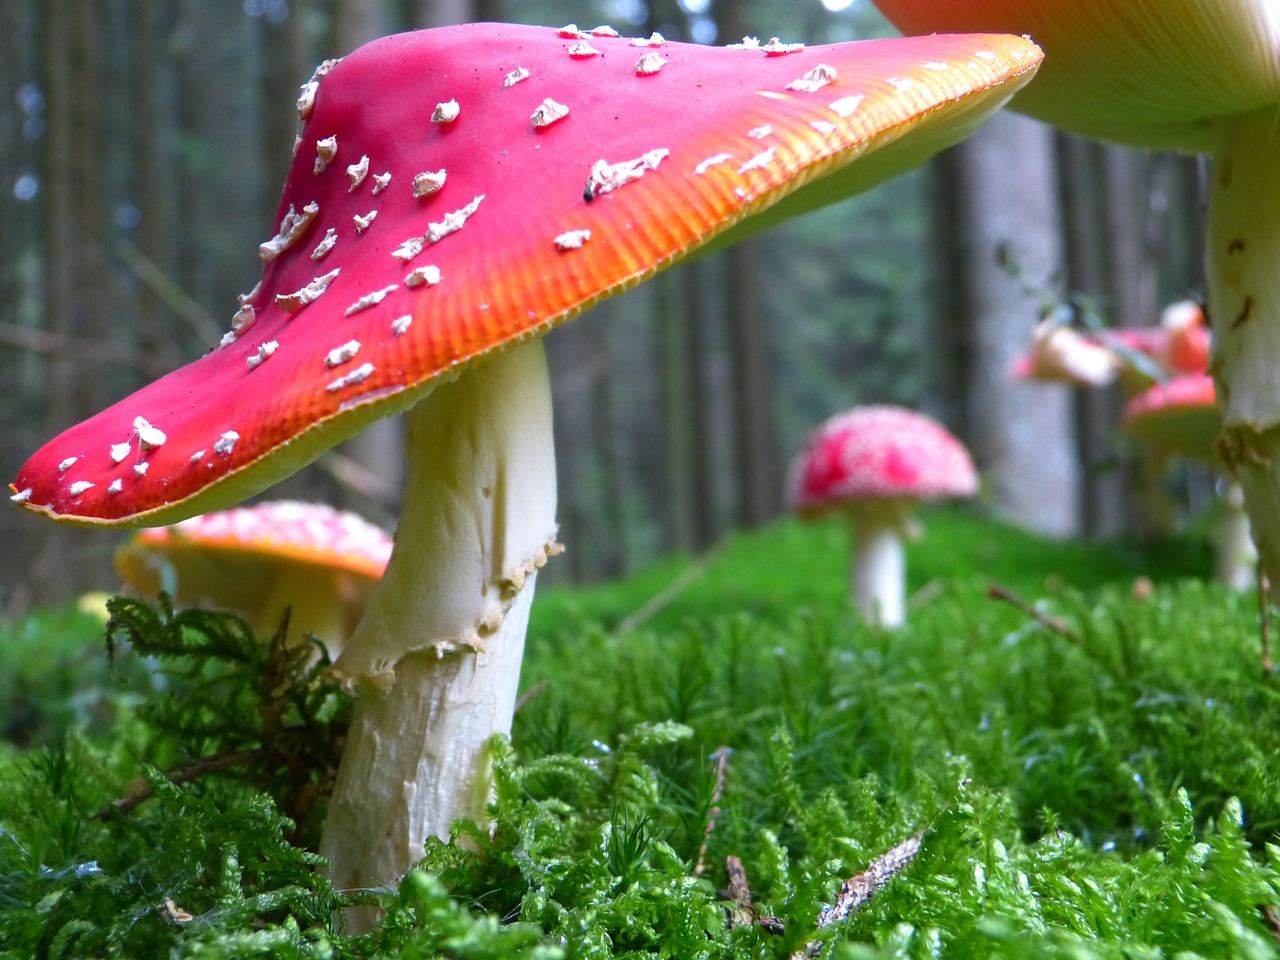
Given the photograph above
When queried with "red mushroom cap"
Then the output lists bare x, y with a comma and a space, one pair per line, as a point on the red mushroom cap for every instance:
1147, 74
1178, 417
442, 204
288, 530
879, 453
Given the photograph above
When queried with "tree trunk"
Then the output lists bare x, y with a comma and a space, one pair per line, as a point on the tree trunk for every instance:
1012, 255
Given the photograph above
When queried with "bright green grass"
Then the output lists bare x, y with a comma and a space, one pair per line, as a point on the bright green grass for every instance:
1106, 790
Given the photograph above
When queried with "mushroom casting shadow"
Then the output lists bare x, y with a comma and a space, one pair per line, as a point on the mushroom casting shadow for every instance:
455, 194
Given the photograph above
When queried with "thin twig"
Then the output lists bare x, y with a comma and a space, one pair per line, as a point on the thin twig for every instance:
1005, 595
860, 888
141, 790
663, 598
742, 911
722, 768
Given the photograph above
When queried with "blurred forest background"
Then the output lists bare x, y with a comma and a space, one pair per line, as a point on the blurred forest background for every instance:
145, 143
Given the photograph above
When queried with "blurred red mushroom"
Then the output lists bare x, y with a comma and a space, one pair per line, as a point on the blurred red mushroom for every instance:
874, 465
1193, 75
320, 562
1180, 418
455, 194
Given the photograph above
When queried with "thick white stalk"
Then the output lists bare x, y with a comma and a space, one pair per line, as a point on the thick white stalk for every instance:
1244, 306
878, 571
436, 659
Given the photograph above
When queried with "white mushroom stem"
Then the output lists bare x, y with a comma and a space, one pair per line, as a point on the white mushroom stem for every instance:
1235, 560
1244, 306
436, 659
317, 605
878, 569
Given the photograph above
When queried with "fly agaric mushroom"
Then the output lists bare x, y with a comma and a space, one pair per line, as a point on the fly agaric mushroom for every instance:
436, 309
875, 465
1194, 75
1180, 418
320, 562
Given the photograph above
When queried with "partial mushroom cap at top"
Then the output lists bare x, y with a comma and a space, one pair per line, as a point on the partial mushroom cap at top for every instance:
879, 453
1147, 73
253, 559
1179, 417
472, 228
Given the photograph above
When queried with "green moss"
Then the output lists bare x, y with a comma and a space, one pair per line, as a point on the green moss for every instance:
1093, 776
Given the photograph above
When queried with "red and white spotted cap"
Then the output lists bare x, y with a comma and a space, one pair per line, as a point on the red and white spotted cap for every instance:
879, 453
456, 190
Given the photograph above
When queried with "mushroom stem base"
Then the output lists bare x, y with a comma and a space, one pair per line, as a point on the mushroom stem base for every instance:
877, 573
1243, 268
436, 659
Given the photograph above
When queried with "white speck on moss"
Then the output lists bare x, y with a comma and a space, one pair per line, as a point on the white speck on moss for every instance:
446, 112
515, 76
293, 302
358, 375
814, 80
357, 171
428, 275
846, 107
79, 487
369, 299
547, 113
572, 239
340, 355
427, 183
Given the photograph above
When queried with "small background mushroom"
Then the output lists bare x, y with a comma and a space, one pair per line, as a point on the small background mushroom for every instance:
320, 562
874, 465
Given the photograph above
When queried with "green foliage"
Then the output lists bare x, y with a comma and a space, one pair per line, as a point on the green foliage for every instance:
1090, 774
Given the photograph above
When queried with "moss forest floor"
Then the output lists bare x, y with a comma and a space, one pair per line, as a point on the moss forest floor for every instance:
1067, 765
